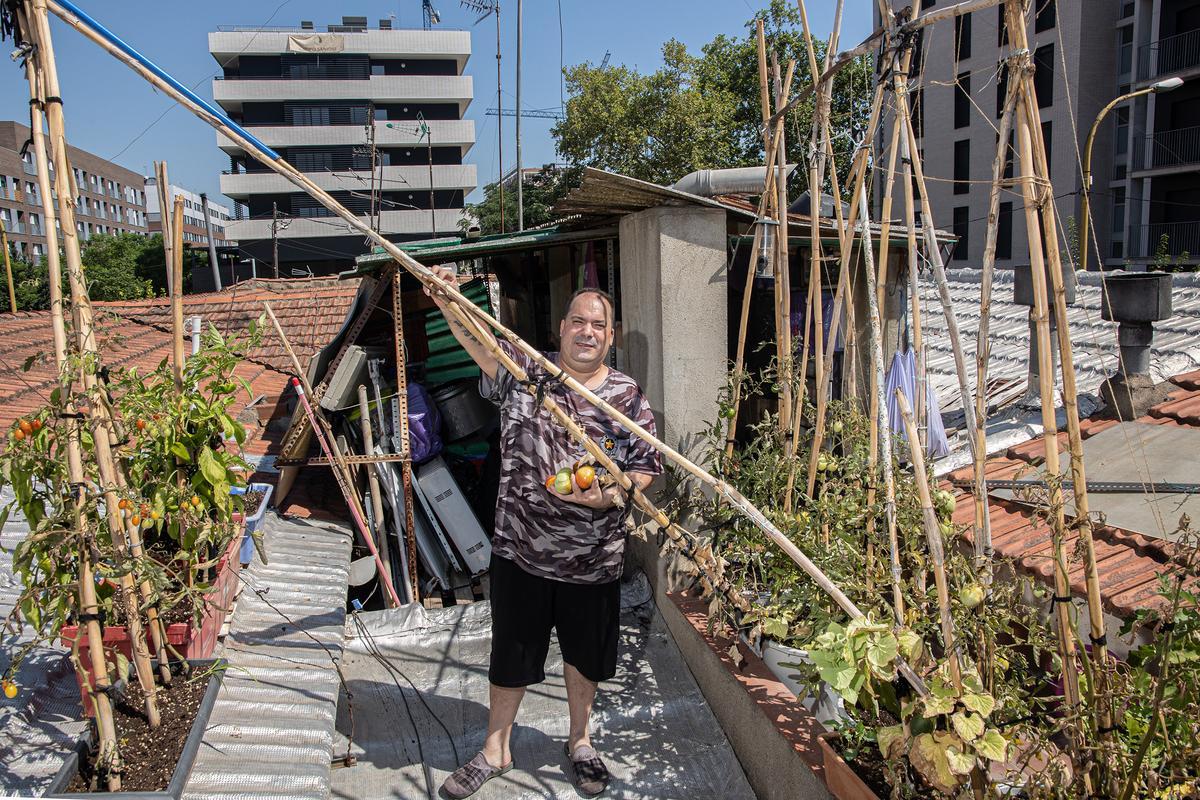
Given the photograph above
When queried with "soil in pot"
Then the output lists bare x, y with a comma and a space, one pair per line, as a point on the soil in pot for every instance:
253, 501
149, 755
868, 764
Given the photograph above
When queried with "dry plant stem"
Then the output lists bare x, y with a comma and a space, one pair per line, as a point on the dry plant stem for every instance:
12, 292
32, 14
47, 86
910, 230
426, 276
983, 538
341, 472
364, 421
1070, 398
881, 421
1062, 587
933, 536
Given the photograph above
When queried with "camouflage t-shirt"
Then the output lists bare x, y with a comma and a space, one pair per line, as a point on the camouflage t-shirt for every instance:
546, 535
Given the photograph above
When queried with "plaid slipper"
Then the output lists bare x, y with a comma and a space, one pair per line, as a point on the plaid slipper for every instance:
466, 780
591, 776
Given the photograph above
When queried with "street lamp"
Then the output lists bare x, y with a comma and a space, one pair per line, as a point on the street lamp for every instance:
1167, 85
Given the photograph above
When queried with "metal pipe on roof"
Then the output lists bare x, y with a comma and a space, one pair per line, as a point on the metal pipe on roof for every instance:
739, 180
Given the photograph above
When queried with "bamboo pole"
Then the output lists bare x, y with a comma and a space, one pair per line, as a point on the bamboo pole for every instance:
176, 267
1070, 396
341, 472
12, 292
1062, 606
881, 421
425, 275
364, 421
983, 540
783, 277
765, 203
89, 610
97, 413
933, 536
163, 189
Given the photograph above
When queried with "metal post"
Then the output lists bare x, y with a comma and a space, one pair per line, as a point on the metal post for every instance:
432, 201
212, 246
499, 123
520, 174
275, 238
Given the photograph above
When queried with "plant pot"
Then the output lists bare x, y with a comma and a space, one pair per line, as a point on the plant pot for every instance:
190, 641
840, 778
827, 705
182, 768
246, 553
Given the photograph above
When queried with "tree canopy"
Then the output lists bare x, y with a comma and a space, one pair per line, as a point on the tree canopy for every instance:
703, 111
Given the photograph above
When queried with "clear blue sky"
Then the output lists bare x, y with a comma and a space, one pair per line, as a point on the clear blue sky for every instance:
107, 106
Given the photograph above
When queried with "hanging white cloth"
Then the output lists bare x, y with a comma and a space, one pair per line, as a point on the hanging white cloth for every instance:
902, 375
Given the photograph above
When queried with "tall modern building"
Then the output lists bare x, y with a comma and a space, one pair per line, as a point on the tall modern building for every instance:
109, 198
195, 233
320, 99
1145, 194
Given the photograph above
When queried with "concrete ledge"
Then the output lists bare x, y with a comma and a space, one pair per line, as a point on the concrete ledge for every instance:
773, 736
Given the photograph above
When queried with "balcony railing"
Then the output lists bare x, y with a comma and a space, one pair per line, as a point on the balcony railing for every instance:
1174, 148
1172, 54
1176, 239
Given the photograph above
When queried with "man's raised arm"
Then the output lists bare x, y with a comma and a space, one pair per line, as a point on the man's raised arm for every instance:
479, 351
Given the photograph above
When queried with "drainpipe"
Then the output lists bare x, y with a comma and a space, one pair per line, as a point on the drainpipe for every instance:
1135, 301
197, 328
212, 247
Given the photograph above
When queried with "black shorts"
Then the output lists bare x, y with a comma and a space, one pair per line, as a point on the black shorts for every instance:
526, 607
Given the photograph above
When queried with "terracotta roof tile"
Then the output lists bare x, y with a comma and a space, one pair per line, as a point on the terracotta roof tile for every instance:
1128, 563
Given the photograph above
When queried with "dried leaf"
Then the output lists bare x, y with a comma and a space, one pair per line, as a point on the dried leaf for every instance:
736, 655
891, 741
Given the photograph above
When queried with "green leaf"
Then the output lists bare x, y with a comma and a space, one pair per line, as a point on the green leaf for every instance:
881, 653
992, 746
938, 706
911, 645
960, 763
981, 703
181, 452
775, 628
967, 725
210, 468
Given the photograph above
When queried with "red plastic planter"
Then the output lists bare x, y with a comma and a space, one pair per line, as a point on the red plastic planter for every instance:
191, 642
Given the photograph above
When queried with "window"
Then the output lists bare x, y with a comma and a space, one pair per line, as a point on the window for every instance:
962, 224
1043, 75
1121, 117
962, 37
918, 54
1044, 19
962, 166
1004, 231
1001, 89
1116, 247
962, 100
1048, 141
1127, 10
927, 4
1001, 27
1125, 51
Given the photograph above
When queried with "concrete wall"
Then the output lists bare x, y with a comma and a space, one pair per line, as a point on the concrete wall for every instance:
673, 308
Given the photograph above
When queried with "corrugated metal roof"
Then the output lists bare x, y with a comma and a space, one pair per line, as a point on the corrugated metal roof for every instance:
1176, 340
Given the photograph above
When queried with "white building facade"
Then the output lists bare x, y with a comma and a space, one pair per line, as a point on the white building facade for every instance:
318, 98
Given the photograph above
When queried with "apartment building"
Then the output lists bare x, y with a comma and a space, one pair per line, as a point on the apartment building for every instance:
110, 198
319, 98
1146, 154
194, 232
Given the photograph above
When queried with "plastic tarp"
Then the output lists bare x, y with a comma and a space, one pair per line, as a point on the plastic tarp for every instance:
902, 375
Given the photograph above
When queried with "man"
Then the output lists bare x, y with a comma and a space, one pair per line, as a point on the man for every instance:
556, 558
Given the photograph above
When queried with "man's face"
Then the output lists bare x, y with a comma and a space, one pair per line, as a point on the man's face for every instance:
585, 333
